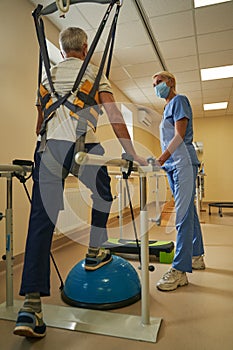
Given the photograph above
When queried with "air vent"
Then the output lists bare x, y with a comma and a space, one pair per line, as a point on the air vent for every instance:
144, 117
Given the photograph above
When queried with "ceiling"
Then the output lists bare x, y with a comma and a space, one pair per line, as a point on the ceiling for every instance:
188, 39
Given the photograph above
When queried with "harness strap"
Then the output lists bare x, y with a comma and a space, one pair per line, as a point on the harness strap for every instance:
83, 106
110, 40
44, 56
89, 114
43, 47
55, 105
78, 109
92, 48
79, 145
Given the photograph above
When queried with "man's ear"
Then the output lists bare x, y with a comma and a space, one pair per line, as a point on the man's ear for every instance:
62, 54
85, 49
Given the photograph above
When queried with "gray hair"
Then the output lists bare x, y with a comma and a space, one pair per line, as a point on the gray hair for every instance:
72, 39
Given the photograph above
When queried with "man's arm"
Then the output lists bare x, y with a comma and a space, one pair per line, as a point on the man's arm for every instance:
118, 124
40, 118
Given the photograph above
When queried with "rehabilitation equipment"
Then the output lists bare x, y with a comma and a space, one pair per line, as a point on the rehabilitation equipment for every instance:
220, 206
164, 250
113, 286
144, 327
141, 328
85, 106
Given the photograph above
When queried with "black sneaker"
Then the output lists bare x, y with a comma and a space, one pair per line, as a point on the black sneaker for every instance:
92, 262
30, 324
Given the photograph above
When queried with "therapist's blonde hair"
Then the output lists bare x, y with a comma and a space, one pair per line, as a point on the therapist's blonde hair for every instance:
166, 74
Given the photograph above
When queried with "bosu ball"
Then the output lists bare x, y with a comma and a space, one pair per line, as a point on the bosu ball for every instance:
112, 286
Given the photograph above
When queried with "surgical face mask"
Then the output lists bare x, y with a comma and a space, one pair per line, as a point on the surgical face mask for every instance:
162, 90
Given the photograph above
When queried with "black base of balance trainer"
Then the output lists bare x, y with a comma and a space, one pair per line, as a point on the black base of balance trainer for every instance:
164, 250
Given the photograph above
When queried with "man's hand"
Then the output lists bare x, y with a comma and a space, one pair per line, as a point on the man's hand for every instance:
140, 160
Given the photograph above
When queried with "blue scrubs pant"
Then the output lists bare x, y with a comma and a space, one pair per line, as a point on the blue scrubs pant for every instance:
51, 168
189, 240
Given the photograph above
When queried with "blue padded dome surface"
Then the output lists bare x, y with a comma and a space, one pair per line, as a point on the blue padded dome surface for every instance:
114, 285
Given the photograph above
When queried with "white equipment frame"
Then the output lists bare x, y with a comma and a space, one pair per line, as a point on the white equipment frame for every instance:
144, 327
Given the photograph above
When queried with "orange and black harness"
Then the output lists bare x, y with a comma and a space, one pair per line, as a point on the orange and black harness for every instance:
85, 106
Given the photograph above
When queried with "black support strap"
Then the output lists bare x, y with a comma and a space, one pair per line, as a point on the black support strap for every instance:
44, 57
83, 113
93, 46
88, 101
109, 42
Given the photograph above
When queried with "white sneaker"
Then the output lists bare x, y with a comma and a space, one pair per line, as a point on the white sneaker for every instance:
172, 279
198, 263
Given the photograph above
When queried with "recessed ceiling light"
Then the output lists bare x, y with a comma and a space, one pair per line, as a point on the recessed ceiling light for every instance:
211, 106
217, 73
201, 3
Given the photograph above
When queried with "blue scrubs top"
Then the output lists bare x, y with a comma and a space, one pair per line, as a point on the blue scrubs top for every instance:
185, 154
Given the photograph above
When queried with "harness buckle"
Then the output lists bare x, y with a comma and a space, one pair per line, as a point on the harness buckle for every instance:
74, 93
119, 2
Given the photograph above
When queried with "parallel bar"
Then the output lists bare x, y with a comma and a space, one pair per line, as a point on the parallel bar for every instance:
12, 168
8, 171
9, 244
142, 328
145, 308
83, 158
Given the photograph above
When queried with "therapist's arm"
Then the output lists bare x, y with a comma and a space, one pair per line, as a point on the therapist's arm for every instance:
180, 130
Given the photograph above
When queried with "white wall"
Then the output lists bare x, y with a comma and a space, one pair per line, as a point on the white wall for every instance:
216, 135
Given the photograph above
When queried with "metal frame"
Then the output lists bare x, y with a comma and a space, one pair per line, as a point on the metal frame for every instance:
8, 172
89, 159
144, 327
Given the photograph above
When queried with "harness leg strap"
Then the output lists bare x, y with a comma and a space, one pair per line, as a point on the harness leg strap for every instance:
79, 144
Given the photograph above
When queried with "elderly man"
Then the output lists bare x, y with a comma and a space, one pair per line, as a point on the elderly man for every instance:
53, 162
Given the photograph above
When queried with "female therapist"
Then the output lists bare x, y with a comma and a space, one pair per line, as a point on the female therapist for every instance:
180, 162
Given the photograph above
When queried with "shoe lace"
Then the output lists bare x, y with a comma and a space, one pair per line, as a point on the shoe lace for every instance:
103, 252
169, 273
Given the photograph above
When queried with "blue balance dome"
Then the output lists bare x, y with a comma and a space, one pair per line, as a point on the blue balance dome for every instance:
112, 286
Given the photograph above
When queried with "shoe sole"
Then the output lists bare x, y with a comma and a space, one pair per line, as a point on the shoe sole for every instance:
24, 331
169, 289
93, 268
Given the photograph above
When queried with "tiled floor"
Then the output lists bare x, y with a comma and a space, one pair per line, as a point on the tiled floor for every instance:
197, 316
